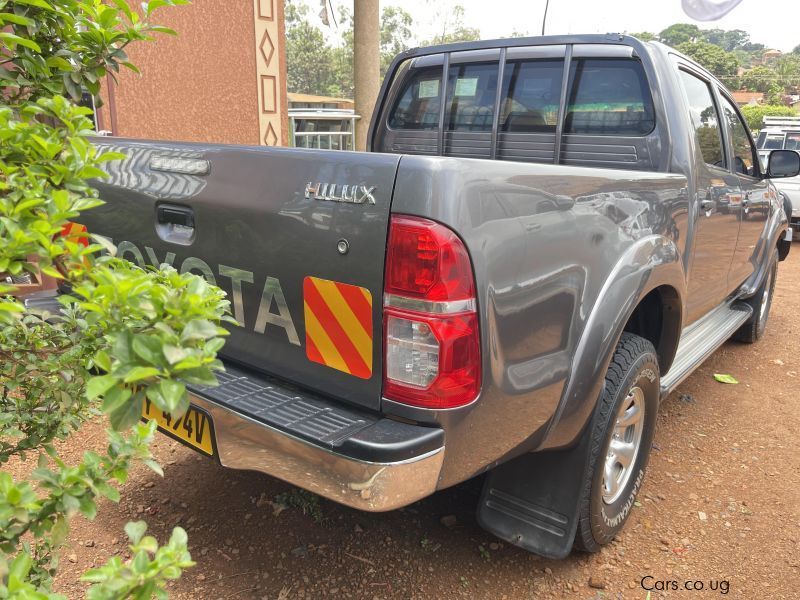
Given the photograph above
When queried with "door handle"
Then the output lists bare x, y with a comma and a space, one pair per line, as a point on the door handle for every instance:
175, 224
182, 216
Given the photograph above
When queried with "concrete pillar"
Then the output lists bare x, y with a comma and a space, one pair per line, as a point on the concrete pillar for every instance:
366, 63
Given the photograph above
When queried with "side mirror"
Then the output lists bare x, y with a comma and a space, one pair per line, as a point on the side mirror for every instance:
783, 163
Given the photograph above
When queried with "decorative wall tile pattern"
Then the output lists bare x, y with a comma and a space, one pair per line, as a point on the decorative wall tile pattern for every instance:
268, 71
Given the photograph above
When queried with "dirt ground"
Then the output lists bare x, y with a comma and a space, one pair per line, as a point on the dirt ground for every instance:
719, 511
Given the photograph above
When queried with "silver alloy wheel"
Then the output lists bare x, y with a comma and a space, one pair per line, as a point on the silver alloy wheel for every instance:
624, 446
765, 297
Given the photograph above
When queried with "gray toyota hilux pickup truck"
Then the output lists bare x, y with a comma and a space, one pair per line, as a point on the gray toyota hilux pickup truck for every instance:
546, 236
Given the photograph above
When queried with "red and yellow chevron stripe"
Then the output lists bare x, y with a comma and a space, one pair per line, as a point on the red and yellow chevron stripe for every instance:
338, 325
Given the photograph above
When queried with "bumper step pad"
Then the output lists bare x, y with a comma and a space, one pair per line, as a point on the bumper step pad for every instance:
313, 419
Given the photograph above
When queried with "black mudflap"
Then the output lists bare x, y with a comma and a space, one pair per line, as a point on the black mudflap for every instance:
532, 501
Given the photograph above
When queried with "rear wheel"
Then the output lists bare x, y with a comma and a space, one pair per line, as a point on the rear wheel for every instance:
621, 436
754, 328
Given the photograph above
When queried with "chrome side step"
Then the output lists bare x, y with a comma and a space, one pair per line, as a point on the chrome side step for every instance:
701, 339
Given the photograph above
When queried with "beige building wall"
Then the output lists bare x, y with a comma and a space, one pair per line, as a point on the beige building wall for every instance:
211, 83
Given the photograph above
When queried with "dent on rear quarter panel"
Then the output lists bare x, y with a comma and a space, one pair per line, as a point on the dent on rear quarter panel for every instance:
543, 240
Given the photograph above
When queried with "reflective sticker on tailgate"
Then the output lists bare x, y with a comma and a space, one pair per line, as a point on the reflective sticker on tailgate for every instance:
338, 325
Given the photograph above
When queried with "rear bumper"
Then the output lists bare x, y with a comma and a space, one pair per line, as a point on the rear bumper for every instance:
357, 459
351, 456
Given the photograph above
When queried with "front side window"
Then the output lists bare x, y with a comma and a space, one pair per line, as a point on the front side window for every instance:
420, 101
609, 96
531, 94
704, 118
744, 155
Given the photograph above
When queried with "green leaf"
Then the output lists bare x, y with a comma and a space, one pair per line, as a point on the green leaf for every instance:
154, 466
149, 348
173, 393
97, 386
135, 530
139, 373
127, 413
162, 29
108, 491
115, 398
17, 19
725, 378
59, 532
199, 329
131, 66
38, 3
15, 40
20, 567
175, 354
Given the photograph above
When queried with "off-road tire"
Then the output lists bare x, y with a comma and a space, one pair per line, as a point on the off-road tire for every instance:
753, 329
634, 364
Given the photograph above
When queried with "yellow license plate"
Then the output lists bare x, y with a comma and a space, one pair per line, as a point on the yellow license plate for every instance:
195, 428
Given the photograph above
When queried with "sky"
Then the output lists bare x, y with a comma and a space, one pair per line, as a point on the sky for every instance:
774, 23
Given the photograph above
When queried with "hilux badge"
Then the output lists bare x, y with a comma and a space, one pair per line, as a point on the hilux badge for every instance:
334, 192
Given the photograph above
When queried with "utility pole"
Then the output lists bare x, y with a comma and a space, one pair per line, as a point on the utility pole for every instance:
366, 63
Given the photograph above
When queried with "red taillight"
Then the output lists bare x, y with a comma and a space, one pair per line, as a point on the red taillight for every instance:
432, 340
76, 234
427, 260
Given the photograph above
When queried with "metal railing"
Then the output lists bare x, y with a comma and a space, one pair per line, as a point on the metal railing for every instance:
323, 140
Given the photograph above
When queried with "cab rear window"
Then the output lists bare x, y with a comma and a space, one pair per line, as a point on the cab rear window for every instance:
606, 97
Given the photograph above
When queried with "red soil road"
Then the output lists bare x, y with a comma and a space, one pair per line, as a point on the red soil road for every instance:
720, 506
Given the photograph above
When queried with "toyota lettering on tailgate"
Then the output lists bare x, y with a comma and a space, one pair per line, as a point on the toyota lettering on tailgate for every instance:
271, 295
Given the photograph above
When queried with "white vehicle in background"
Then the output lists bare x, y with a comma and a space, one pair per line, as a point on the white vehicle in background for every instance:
783, 133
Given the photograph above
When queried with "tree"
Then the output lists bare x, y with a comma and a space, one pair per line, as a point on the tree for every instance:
124, 335
396, 26
310, 58
722, 64
453, 28
759, 79
645, 36
728, 40
787, 70
754, 114
679, 33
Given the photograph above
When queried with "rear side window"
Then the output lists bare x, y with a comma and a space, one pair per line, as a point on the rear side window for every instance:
792, 141
771, 141
704, 118
531, 94
420, 101
609, 97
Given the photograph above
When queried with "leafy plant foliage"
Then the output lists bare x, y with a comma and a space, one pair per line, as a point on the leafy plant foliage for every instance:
123, 335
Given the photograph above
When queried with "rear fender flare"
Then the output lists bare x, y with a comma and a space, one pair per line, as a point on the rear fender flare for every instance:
650, 263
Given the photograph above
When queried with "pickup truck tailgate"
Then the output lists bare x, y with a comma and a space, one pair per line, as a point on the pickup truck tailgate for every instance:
300, 256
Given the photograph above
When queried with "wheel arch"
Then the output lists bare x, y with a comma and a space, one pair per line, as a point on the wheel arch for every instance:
650, 275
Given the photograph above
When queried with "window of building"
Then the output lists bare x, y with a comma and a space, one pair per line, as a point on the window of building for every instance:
703, 116
609, 96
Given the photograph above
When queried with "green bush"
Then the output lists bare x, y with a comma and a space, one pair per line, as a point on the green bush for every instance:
754, 114
125, 334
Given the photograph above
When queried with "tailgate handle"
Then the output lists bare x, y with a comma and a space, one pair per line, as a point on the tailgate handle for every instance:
175, 215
